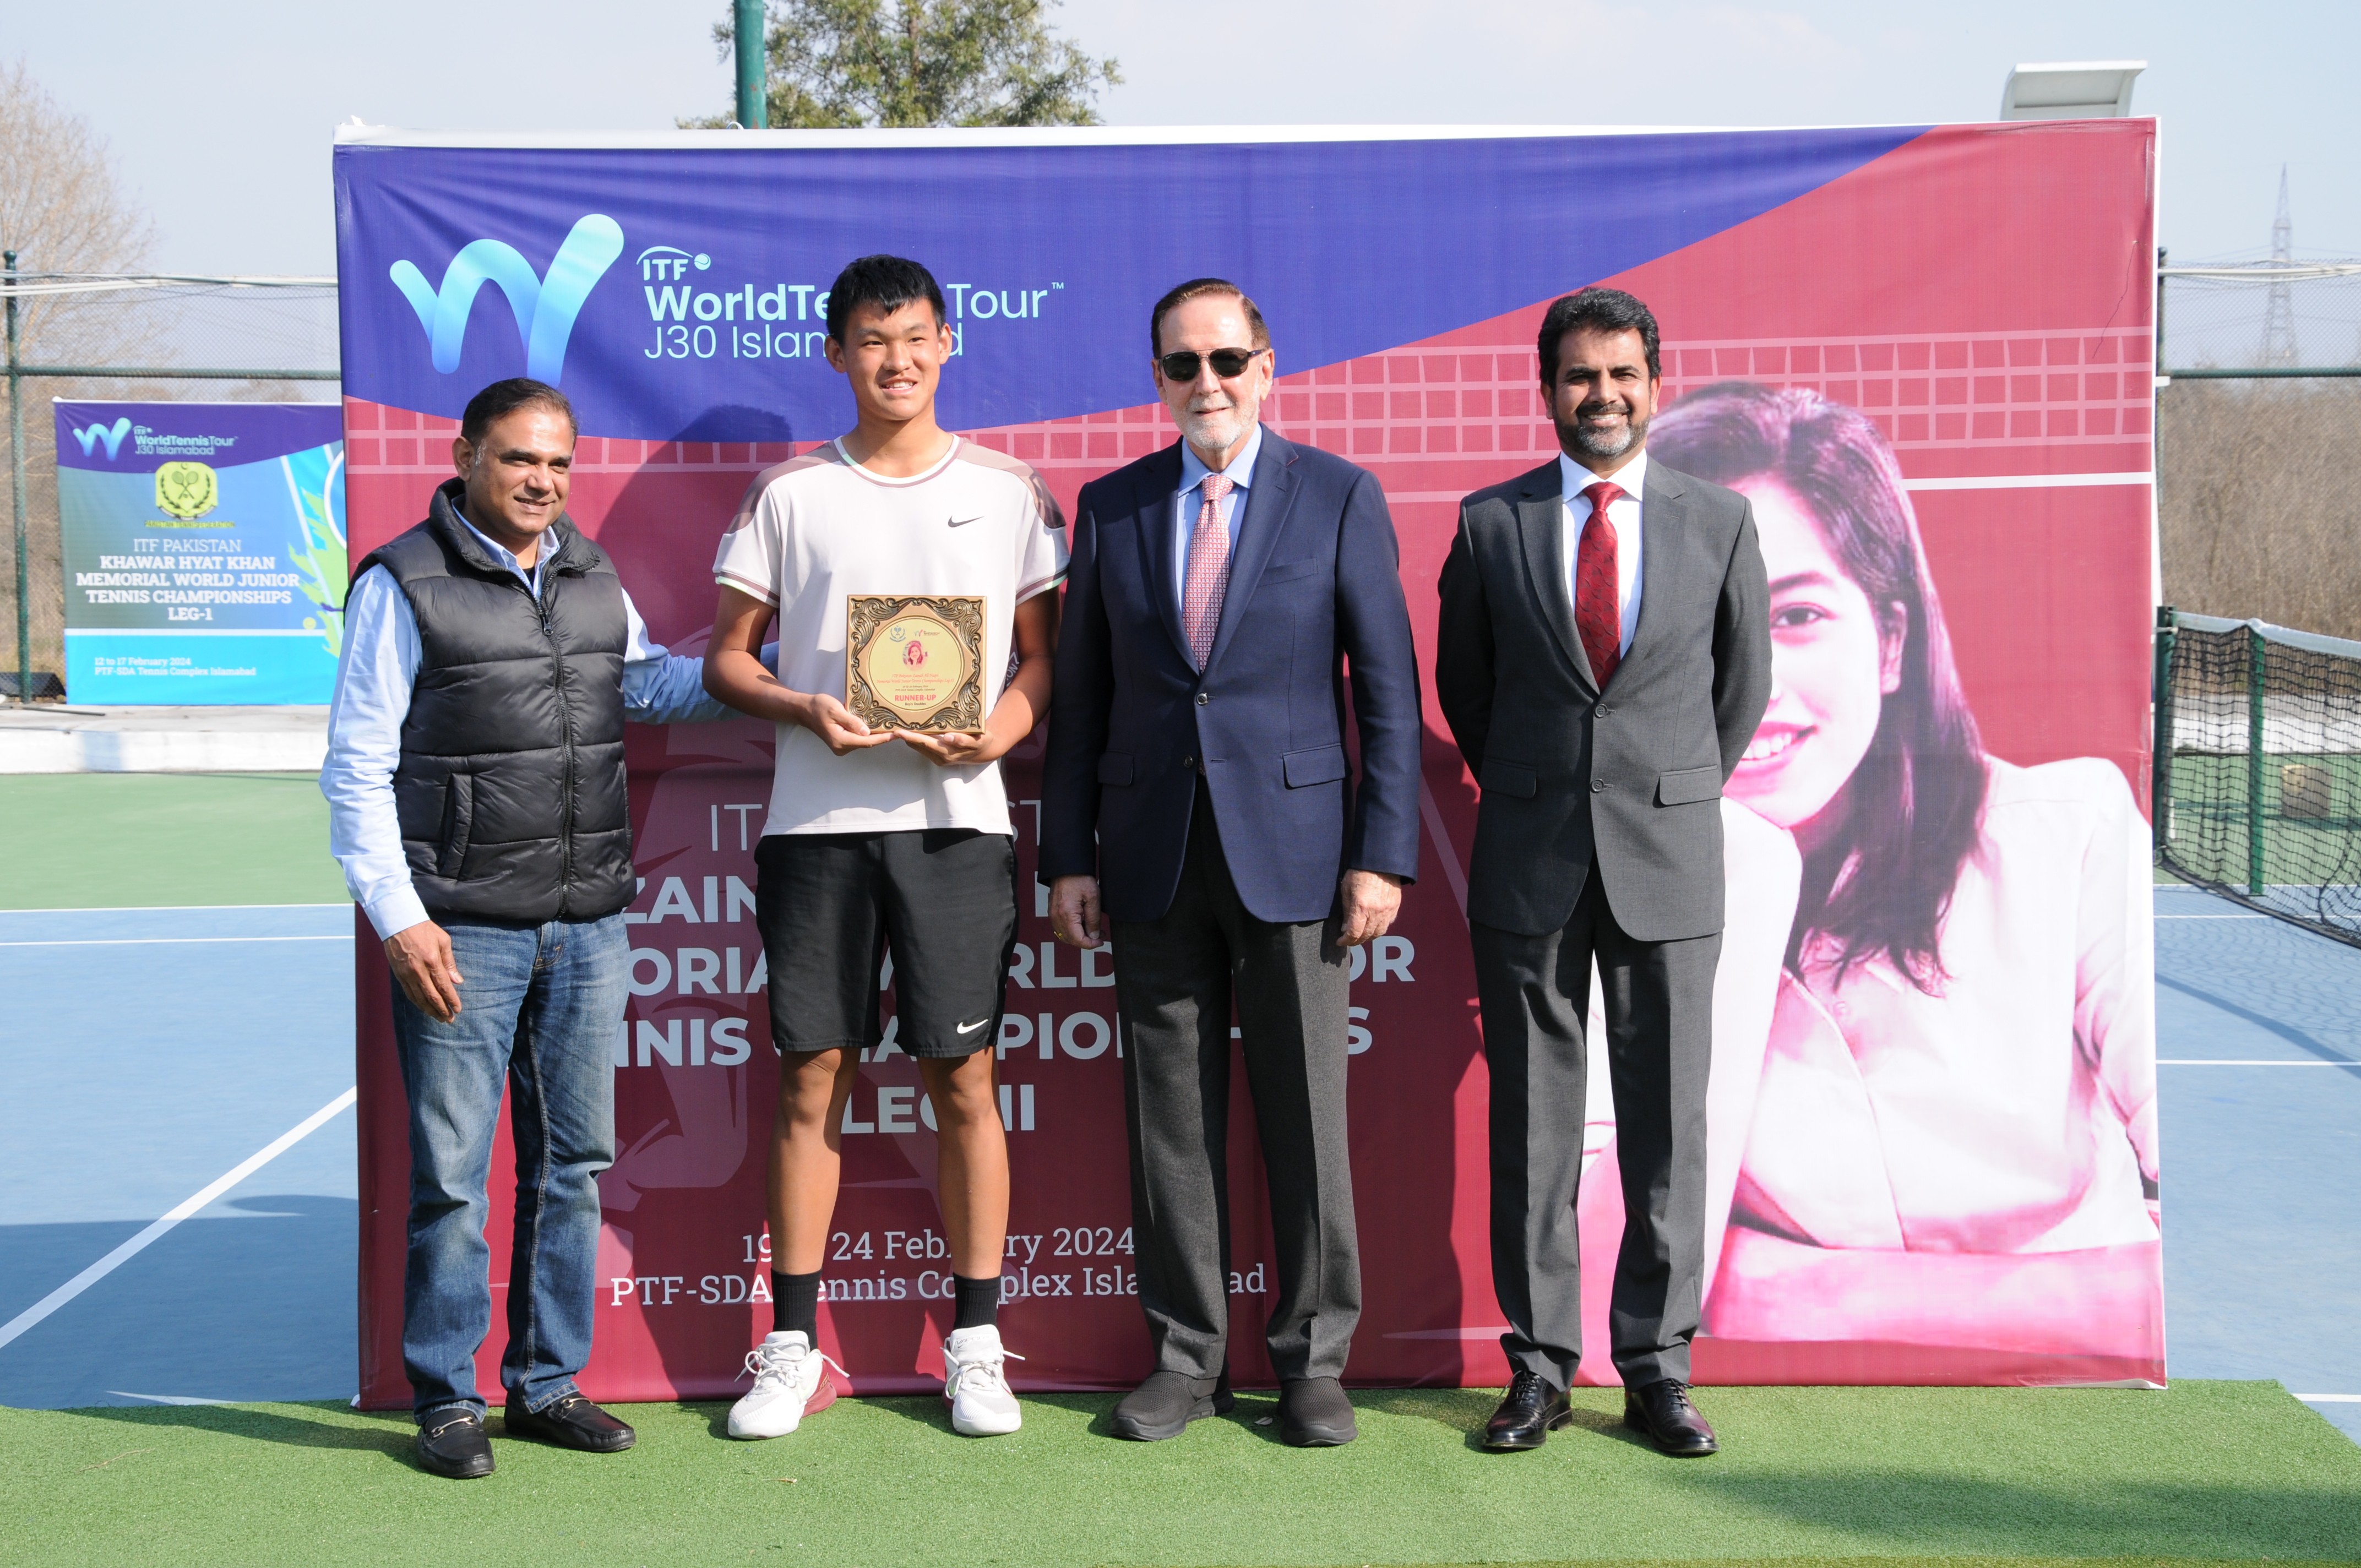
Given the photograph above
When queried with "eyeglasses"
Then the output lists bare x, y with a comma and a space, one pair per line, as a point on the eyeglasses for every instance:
1226, 362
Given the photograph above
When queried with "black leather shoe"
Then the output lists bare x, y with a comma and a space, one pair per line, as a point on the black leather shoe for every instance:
452, 1444
1662, 1410
1528, 1414
1165, 1405
572, 1422
1314, 1413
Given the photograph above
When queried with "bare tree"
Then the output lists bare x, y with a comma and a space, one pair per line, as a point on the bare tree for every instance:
921, 62
62, 210
2256, 520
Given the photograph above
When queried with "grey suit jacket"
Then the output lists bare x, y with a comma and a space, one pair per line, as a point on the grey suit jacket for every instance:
1629, 778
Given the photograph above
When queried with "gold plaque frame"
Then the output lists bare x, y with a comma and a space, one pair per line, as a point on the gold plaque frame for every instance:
871, 617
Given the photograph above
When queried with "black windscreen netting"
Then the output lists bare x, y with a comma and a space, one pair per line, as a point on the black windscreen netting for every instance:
2260, 779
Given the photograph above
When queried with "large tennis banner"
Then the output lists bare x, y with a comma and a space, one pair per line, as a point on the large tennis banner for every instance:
204, 550
1924, 352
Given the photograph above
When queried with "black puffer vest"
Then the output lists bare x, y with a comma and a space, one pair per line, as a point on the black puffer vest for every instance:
510, 790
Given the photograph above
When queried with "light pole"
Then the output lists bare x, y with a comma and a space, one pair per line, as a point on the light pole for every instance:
754, 112
16, 494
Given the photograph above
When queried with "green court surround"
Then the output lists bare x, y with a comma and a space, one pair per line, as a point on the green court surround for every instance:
2204, 1471
161, 841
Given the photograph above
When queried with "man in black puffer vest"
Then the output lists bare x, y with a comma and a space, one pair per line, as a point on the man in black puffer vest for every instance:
477, 804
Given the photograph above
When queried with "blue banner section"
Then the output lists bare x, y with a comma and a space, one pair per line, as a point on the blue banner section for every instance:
681, 292
134, 438
203, 551
195, 669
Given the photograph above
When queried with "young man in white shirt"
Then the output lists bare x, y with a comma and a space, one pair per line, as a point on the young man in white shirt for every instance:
880, 837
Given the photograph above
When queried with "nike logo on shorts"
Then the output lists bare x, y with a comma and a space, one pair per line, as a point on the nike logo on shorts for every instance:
963, 521
979, 1022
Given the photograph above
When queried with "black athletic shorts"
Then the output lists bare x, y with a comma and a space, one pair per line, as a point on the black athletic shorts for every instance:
830, 906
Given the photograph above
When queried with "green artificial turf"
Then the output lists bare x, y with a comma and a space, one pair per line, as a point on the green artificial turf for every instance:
149, 840
2204, 1471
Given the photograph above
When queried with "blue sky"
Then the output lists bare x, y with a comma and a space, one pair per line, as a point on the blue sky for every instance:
220, 116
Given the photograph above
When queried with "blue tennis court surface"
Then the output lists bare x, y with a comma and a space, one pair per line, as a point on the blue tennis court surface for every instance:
148, 1053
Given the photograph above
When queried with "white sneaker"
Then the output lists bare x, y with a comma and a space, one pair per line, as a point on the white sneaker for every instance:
790, 1382
976, 1385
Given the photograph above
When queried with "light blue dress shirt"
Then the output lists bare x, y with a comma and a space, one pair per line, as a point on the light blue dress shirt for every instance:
1192, 501
374, 676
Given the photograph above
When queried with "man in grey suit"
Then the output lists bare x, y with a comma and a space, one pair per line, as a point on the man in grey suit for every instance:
1604, 656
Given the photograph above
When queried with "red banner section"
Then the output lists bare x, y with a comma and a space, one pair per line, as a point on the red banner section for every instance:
1940, 1179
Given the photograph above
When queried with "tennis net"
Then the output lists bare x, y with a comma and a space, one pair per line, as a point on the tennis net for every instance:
2258, 767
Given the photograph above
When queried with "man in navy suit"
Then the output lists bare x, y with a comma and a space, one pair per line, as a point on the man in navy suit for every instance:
1198, 800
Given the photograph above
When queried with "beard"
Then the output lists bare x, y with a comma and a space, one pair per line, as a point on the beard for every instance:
1584, 442
1217, 429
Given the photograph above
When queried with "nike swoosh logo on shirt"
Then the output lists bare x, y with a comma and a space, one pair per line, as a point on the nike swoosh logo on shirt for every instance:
979, 1022
963, 521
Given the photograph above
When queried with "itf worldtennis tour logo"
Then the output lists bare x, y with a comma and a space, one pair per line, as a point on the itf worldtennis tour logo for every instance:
544, 307
110, 436
695, 317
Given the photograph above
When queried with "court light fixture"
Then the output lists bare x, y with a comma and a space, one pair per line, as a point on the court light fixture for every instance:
2080, 90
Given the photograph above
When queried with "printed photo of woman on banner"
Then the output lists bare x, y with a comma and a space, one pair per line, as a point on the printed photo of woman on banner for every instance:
1949, 1141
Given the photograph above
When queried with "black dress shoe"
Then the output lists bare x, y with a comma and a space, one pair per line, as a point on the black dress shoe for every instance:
1314, 1413
1662, 1410
1165, 1405
572, 1422
1528, 1414
451, 1443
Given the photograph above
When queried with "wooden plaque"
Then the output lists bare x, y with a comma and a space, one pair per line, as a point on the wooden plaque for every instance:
915, 660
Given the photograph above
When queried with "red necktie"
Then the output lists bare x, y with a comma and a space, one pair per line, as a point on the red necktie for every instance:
1209, 571
1597, 605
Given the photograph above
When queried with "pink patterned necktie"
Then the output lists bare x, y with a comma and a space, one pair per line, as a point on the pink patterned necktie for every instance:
1209, 571
1598, 603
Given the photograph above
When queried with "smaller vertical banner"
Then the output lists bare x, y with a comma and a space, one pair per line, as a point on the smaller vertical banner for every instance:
204, 550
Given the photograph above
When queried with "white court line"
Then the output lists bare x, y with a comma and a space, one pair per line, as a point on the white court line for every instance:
2246, 1061
166, 941
2330, 1398
124, 1254
168, 908
2214, 917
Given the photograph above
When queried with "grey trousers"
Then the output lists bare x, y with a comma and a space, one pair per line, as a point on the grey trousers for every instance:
1176, 981
1535, 996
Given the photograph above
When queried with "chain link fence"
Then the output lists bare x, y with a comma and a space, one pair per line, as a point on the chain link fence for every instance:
132, 339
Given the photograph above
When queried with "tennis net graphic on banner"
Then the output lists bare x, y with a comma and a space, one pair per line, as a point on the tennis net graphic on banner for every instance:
1891, 1202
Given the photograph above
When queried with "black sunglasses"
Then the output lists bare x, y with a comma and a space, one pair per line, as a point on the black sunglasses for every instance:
1228, 362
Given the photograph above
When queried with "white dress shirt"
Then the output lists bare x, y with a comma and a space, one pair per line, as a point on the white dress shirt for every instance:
374, 676
1624, 513
1192, 501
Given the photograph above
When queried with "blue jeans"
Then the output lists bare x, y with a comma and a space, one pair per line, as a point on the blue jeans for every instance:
539, 1009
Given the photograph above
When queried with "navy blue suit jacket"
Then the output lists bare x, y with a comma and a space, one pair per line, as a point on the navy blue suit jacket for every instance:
1315, 586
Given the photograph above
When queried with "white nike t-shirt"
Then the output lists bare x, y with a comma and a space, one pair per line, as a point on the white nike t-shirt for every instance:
820, 527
